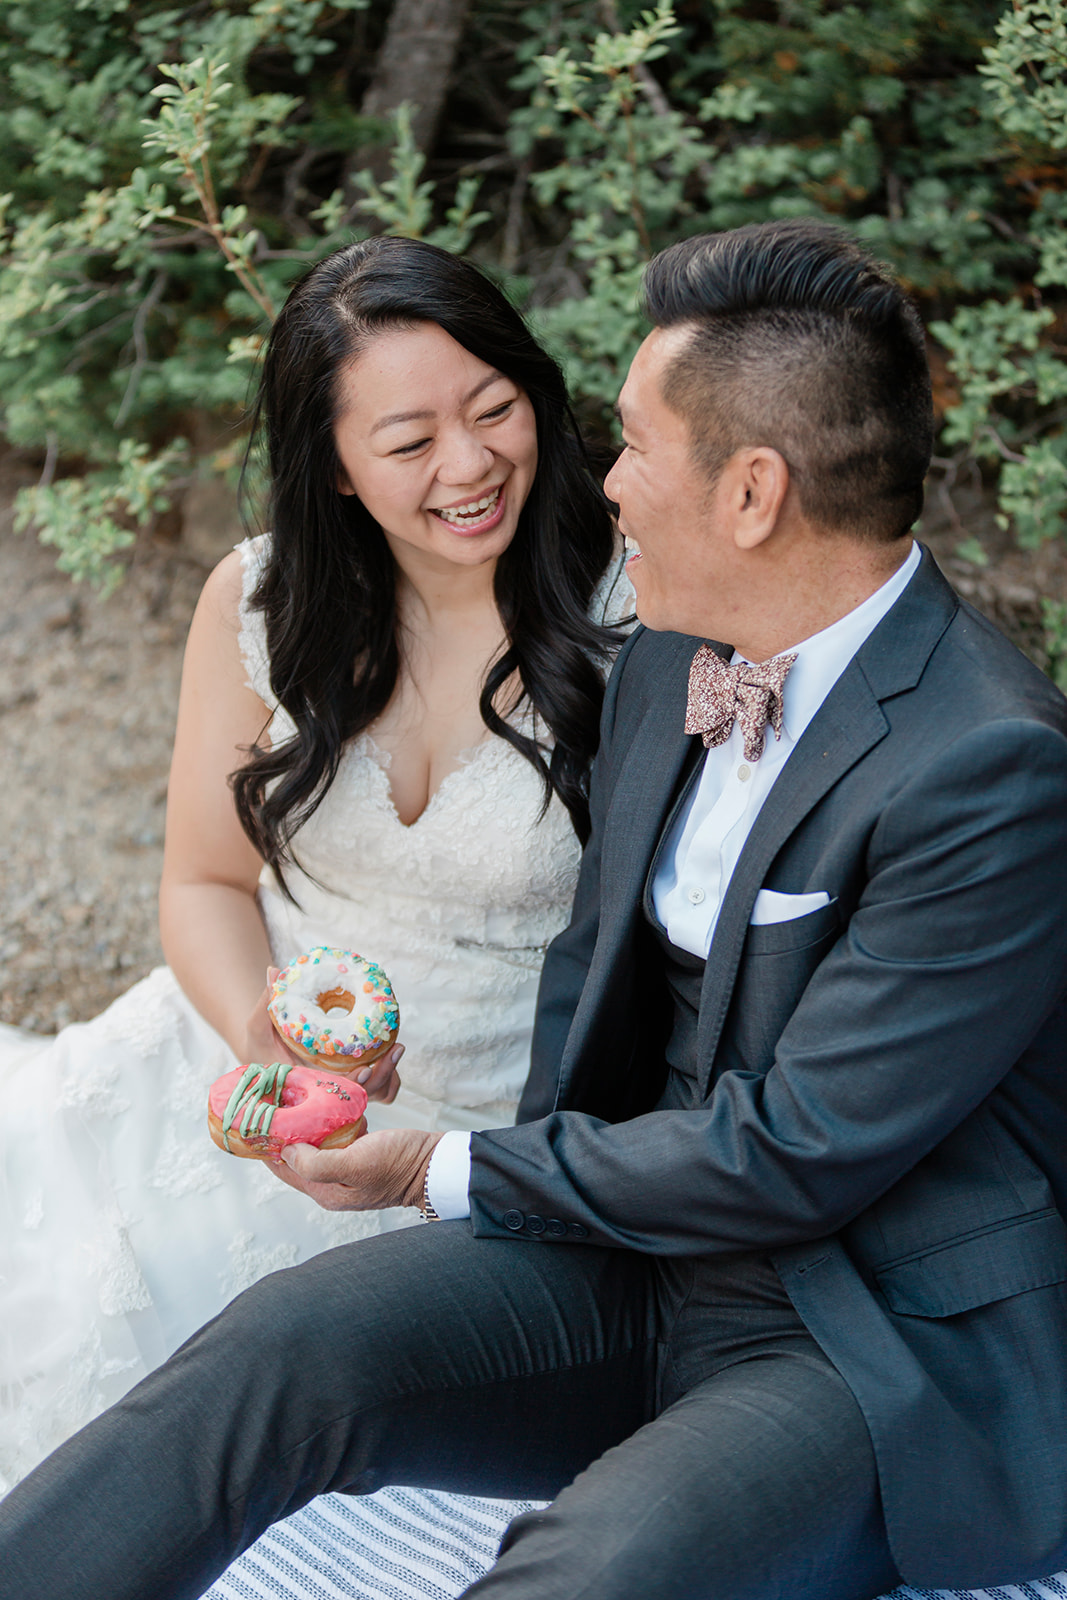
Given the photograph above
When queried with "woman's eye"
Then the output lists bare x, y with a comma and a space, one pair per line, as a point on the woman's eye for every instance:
497, 412
410, 449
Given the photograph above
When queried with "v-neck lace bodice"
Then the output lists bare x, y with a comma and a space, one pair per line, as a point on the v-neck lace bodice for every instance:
458, 906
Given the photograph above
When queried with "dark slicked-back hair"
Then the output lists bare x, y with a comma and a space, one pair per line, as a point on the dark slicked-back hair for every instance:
801, 342
328, 591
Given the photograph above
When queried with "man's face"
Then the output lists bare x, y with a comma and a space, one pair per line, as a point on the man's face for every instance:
682, 567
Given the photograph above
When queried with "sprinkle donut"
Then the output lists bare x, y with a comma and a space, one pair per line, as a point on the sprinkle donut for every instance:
257, 1110
334, 1007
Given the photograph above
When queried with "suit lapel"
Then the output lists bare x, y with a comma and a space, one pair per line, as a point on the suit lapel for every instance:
641, 799
848, 724
644, 791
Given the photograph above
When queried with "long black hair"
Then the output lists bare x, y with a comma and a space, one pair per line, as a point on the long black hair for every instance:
328, 590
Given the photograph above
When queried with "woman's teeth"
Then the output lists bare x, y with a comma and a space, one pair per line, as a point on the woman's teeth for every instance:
468, 515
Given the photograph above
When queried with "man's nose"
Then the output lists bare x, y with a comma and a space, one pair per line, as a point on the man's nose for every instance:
464, 458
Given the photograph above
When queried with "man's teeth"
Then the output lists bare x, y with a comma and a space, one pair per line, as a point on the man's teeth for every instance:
461, 516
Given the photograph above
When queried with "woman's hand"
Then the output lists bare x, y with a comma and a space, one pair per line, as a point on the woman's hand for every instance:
381, 1080
263, 1043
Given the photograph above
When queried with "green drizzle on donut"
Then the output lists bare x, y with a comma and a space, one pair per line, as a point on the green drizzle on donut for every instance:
255, 1098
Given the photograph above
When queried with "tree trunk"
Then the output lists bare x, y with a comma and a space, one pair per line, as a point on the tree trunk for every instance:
414, 64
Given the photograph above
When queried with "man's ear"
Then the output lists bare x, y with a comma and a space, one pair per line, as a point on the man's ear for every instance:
761, 483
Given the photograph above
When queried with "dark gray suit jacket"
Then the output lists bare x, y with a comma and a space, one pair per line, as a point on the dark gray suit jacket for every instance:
885, 1079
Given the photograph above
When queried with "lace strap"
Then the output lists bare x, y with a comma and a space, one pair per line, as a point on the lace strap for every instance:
252, 639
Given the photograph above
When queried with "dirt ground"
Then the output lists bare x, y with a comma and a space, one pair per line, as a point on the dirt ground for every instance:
88, 692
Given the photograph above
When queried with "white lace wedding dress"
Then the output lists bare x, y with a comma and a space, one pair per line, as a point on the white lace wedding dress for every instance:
122, 1227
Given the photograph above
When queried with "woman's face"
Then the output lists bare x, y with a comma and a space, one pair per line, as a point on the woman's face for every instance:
440, 448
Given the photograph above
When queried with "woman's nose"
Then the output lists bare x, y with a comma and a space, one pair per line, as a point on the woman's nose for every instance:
464, 458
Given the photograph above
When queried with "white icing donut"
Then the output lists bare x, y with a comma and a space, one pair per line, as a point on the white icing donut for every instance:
335, 1006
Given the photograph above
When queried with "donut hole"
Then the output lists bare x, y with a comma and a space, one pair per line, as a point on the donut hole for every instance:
335, 1002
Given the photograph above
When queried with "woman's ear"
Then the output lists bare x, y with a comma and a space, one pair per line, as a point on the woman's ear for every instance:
344, 482
762, 483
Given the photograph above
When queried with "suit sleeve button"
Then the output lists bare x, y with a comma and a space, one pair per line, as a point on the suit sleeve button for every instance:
514, 1220
535, 1224
556, 1228
579, 1230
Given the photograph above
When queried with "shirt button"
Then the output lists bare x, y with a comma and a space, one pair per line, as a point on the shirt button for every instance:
513, 1220
535, 1224
695, 897
744, 773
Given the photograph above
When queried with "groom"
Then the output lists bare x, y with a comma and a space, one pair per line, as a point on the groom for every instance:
768, 1288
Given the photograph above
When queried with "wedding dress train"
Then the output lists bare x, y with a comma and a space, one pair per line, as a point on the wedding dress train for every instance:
122, 1227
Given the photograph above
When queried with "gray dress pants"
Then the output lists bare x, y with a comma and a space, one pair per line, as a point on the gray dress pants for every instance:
695, 1442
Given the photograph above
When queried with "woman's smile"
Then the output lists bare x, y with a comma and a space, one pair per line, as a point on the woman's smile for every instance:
474, 516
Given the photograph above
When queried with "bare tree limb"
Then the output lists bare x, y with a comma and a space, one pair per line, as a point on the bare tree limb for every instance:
140, 344
48, 471
512, 243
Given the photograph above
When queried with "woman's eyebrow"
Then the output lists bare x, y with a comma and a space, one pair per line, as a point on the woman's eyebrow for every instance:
397, 417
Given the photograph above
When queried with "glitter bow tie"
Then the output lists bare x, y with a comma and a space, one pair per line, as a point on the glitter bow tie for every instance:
719, 695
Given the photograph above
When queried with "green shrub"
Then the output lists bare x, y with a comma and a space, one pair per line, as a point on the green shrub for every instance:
135, 257
131, 312
1004, 354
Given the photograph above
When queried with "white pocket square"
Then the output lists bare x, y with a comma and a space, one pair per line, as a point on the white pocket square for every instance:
771, 906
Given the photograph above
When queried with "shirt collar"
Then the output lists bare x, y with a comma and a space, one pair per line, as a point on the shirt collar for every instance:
823, 658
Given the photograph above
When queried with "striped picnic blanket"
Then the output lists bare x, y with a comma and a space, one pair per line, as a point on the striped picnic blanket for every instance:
417, 1544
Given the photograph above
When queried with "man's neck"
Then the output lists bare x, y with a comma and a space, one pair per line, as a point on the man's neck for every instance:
811, 594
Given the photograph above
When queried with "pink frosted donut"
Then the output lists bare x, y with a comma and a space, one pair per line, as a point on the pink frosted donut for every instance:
258, 1110
336, 1007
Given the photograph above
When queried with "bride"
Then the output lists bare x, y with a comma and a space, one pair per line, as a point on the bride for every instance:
388, 710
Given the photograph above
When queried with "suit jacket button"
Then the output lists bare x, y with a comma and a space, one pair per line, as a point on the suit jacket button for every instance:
514, 1220
579, 1230
535, 1224
556, 1228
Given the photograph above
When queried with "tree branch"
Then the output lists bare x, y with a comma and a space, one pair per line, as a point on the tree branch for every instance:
140, 344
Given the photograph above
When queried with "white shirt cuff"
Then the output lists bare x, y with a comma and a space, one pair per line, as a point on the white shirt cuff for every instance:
448, 1177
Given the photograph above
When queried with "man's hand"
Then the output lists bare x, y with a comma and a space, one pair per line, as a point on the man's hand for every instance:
378, 1170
